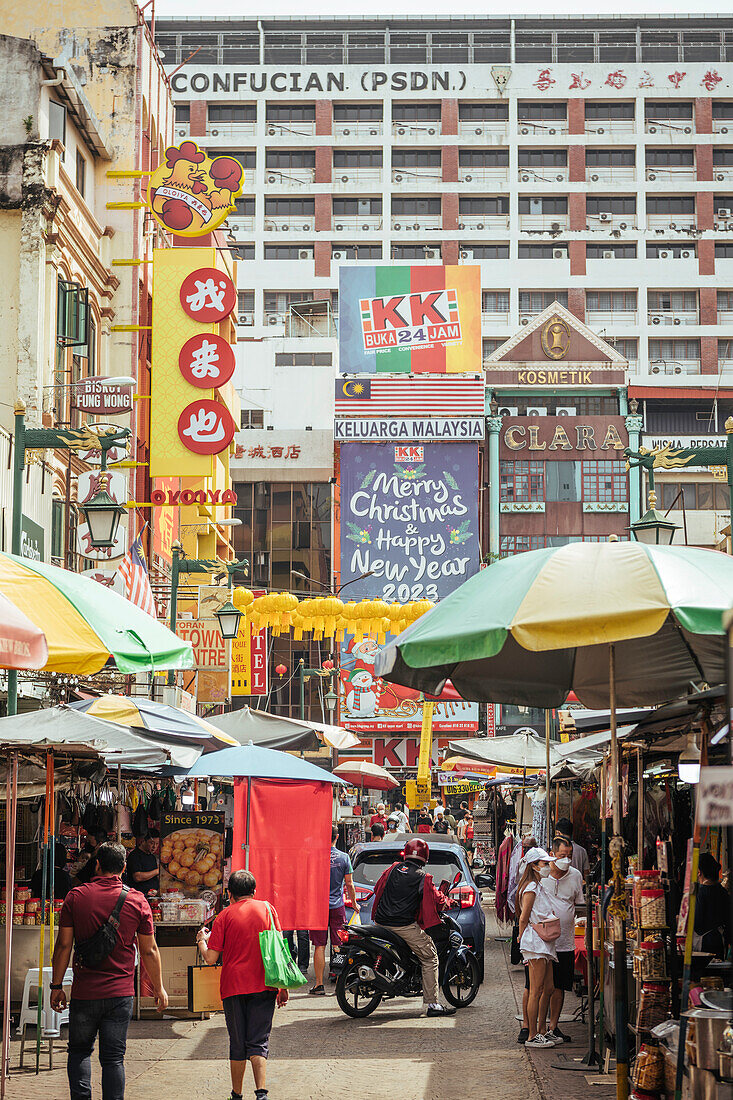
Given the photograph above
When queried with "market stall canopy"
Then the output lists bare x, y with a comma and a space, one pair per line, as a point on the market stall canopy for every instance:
256, 762
535, 626
275, 732
514, 753
156, 718
594, 741
468, 767
79, 735
360, 773
22, 644
87, 625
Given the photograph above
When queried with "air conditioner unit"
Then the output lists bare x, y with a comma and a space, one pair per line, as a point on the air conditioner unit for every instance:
305, 253
609, 254
652, 130
554, 227
245, 318
524, 130
272, 179
508, 410
566, 410
271, 130
536, 412
623, 225
401, 131
461, 225
466, 254
285, 227
678, 370
344, 179
605, 216
559, 254
655, 320
338, 255
431, 130
594, 178
686, 254
431, 254
677, 321
480, 225
720, 176
181, 133
724, 129
524, 321
398, 178
397, 225
214, 133
525, 179
339, 226
600, 130
665, 254
724, 212
651, 176
673, 225
273, 319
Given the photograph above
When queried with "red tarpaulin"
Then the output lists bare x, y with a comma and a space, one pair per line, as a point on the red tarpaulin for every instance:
290, 846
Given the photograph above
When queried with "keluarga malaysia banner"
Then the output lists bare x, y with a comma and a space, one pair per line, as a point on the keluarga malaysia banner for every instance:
409, 517
400, 319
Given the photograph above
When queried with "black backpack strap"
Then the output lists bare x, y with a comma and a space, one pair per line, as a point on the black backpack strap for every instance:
114, 917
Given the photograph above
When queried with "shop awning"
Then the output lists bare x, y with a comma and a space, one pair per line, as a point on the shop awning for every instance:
272, 731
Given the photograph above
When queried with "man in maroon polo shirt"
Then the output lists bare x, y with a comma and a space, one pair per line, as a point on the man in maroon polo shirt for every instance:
101, 999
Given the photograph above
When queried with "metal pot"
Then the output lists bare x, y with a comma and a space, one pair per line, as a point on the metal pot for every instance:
703, 1085
725, 1065
709, 1026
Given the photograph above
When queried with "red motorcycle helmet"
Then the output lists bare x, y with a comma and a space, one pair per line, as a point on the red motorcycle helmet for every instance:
416, 849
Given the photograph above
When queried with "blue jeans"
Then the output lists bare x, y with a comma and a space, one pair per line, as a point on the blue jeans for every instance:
110, 1018
304, 948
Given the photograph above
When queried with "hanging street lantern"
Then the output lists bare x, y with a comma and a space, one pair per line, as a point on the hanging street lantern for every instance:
654, 527
102, 515
229, 618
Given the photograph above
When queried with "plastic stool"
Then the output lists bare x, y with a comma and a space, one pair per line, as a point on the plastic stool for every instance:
51, 1022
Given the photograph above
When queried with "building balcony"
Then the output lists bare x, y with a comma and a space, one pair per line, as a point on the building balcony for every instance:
231, 131
290, 223
518, 507
674, 128
290, 129
182, 130
483, 175
345, 179
484, 222
351, 131
722, 172
605, 506
607, 220
723, 125
555, 174
607, 174
667, 222
494, 131
611, 126
411, 177
492, 317
543, 129
676, 173
623, 318
353, 223
675, 366
725, 317
676, 317
290, 179
241, 223
551, 223
404, 223
415, 129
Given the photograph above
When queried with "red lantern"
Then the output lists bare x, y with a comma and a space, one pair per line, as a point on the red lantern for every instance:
327, 665
281, 670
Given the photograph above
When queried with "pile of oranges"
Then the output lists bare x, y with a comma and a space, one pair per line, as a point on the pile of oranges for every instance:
193, 857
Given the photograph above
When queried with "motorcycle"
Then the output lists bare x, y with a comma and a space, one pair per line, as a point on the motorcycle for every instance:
379, 964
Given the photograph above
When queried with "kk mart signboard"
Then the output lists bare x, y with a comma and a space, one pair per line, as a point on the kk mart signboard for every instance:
424, 319
192, 297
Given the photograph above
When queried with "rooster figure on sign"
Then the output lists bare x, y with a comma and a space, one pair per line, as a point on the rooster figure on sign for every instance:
191, 194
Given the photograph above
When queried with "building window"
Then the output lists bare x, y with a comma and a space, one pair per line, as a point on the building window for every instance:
289, 251
490, 46
243, 251
484, 251
543, 158
182, 113
252, 418
408, 48
365, 48
725, 301
245, 307
618, 251
247, 158
518, 544
610, 158
290, 159
610, 301
725, 348
563, 481
495, 301
543, 204
324, 49
534, 301
670, 158
56, 121
416, 112
57, 532
416, 251
230, 112
357, 112
555, 251
522, 481
290, 112
413, 204
489, 344
680, 250
672, 301
611, 204
667, 110
245, 205
483, 158
542, 112
724, 250
289, 207
81, 173
608, 112
357, 251
303, 359
72, 313
704, 496
416, 158
681, 206
353, 207
357, 158
483, 112
674, 350
627, 347
604, 480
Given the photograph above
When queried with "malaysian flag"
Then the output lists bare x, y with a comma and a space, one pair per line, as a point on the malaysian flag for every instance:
134, 572
429, 397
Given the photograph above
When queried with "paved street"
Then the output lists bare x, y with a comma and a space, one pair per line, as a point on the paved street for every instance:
316, 1052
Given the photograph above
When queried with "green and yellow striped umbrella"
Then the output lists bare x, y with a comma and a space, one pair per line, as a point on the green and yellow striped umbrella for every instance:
533, 627
86, 624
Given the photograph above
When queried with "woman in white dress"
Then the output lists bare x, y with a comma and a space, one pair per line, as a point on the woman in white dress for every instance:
535, 905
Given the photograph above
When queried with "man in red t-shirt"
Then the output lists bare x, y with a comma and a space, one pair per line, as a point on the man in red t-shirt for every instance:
378, 818
249, 1004
101, 999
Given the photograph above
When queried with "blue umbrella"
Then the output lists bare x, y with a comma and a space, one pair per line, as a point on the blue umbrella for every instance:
253, 762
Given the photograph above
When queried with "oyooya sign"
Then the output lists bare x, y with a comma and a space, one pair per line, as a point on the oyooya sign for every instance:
413, 524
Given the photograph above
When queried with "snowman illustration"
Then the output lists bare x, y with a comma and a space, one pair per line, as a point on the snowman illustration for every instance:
362, 694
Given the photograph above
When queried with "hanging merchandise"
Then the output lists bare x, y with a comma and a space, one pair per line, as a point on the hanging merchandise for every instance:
140, 820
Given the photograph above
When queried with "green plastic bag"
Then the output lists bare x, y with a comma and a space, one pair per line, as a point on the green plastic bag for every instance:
280, 969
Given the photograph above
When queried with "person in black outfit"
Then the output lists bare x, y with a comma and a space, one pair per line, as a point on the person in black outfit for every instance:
712, 910
143, 871
61, 878
95, 837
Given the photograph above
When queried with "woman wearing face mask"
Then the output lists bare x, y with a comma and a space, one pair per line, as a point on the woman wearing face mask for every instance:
535, 906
